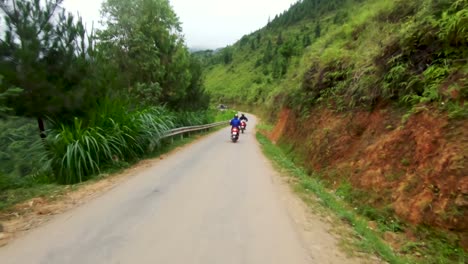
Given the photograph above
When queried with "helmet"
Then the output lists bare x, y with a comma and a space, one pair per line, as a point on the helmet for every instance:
236, 115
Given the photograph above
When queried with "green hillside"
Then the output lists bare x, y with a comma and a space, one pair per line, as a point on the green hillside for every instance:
350, 53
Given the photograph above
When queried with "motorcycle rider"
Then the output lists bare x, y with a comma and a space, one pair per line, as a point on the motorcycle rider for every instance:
243, 117
235, 122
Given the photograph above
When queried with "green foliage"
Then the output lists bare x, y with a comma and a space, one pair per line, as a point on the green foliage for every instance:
10, 92
193, 118
47, 53
424, 63
457, 110
76, 151
143, 39
306, 9
227, 55
340, 17
306, 41
147, 92
17, 157
220, 116
318, 30
196, 97
454, 24
202, 117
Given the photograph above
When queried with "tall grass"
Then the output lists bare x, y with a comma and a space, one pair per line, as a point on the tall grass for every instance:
111, 134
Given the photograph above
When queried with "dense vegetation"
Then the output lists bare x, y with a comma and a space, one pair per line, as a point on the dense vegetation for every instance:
100, 98
350, 53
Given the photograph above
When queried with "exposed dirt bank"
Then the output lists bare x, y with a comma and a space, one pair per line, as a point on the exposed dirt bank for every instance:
414, 167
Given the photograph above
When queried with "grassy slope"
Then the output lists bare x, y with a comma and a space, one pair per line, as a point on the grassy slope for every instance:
241, 79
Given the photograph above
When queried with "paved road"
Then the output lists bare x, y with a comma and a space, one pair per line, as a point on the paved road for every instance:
210, 203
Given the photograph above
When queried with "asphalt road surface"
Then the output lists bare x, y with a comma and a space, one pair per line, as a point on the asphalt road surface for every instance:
213, 202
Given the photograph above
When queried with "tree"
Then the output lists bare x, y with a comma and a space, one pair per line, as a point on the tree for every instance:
195, 90
280, 67
49, 55
252, 44
279, 39
243, 41
288, 49
306, 40
227, 55
268, 55
143, 37
317, 30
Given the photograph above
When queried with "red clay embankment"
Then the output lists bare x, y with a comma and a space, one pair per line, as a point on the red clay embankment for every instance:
418, 167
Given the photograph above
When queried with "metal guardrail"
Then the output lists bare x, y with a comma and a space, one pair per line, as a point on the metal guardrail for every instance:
183, 130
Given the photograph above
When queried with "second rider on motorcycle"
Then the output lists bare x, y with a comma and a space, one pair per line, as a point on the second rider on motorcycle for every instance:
243, 122
243, 117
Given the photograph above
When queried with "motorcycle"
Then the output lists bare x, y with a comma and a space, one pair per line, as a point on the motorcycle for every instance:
243, 126
234, 134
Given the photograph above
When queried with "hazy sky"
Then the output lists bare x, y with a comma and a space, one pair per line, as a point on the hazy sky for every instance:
206, 23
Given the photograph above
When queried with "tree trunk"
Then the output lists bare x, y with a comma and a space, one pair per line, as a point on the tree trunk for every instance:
40, 122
